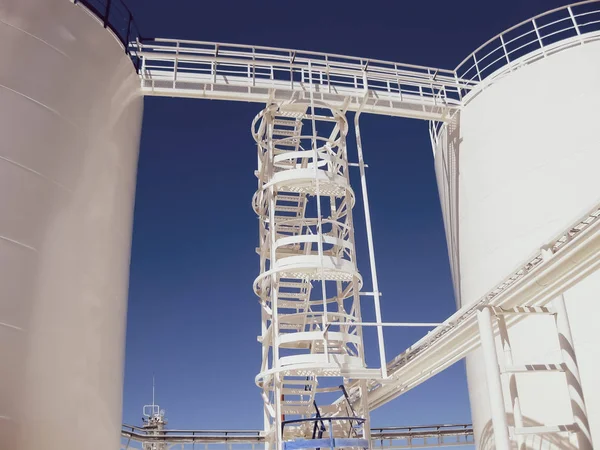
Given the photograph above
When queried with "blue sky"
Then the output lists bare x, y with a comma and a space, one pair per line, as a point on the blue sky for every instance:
193, 318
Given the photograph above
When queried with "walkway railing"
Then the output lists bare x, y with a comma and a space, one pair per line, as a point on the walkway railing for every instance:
248, 73
427, 436
533, 39
253, 73
115, 16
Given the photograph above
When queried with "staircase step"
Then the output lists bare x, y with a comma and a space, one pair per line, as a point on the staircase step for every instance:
288, 295
284, 132
291, 326
299, 382
308, 409
286, 122
290, 198
294, 284
297, 390
295, 209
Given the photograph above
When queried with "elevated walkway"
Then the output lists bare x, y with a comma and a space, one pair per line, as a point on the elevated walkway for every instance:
429, 436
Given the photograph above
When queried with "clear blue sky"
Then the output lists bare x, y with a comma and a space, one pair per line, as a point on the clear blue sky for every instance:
193, 318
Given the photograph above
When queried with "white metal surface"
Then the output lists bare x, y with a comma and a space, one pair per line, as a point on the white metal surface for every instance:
516, 163
392, 438
309, 282
576, 255
529, 41
493, 379
219, 71
484, 244
68, 159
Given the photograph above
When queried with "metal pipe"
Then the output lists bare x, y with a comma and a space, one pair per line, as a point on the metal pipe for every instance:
494, 382
567, 349
363, 183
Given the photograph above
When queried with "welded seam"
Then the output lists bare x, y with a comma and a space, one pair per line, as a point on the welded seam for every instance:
28, 169
36, 38
14, 327
40, 104
12, 241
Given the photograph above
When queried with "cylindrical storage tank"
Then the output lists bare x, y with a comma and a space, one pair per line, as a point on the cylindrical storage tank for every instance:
516, 167
70, 120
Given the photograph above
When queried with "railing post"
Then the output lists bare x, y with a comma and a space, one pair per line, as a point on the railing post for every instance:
476, 66
175, 65
108, 3
126, 43
574, 21
505, 52
537, 33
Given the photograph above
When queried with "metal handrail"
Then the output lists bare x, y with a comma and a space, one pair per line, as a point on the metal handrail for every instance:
383, 437
116, 17
535, 37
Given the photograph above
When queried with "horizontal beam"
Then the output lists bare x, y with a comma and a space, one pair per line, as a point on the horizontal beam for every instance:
556, 267
262, 75
382, 437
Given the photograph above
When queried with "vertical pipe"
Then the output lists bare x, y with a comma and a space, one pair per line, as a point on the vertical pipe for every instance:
107, 12
126, 43
567, 349
494, 383
363, 182
274, 281
319, 217
574, 21
513, 389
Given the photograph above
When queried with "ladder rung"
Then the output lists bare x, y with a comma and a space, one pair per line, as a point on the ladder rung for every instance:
521, 310
290, 198
294, 284
288, 295
295, 209
283, 132
290, 123
546, 429
299, 382
297, 391
531, 368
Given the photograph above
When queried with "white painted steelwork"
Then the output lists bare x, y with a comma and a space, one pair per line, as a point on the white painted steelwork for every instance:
487, 86
70, 133
575, 255
220, 71
386, 438
309, 283
513, 166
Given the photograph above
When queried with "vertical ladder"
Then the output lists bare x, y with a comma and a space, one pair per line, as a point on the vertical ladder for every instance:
579, 431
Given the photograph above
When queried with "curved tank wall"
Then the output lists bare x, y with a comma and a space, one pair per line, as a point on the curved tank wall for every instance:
70, 120
515, 168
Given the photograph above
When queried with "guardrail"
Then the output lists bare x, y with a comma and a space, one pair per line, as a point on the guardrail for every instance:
116, 17
383, 438
533, 39
254, 73
257, 66
424, 436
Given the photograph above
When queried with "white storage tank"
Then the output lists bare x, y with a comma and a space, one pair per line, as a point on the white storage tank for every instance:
516, 167
70, 120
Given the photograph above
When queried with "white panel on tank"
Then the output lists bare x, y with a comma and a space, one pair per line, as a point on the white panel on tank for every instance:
527, 162
70, 120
